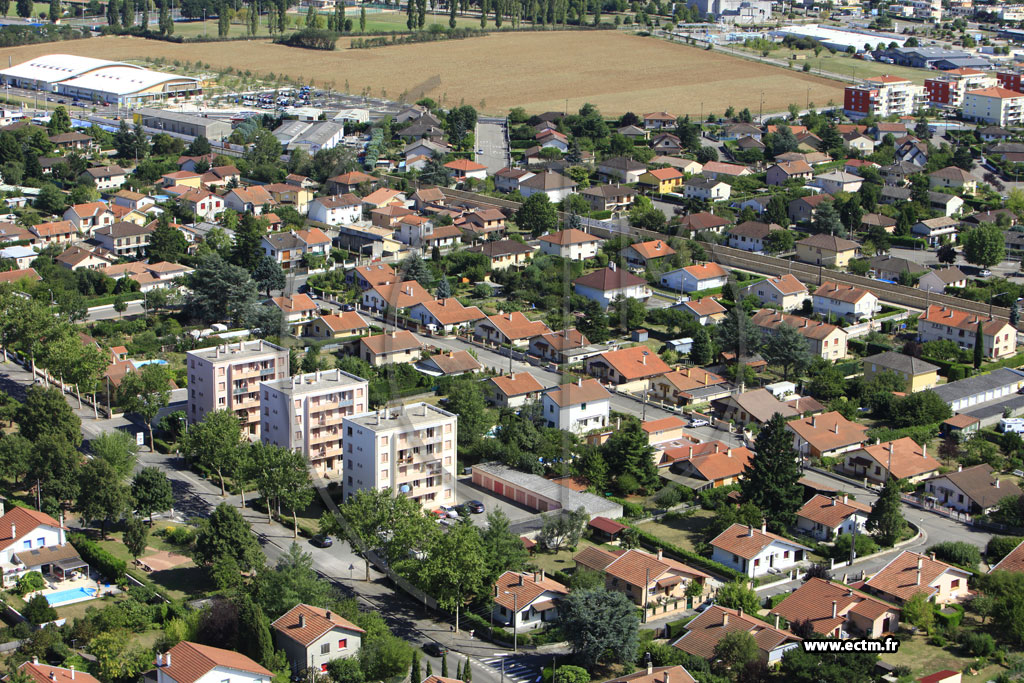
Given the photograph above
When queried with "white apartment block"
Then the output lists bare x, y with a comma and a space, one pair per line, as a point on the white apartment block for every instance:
998, 106
884, 96
305, 412
227, 377
409, 449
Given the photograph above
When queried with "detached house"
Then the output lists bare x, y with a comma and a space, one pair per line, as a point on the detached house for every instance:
823, 339
704, 632
336, 209
688, 385
577, 407
398, 346
756, 406
374, 274
57, 232
903, 459
290, 248
658, 120
845, 301
695, 278
555, 185
608, 284
296, 311
621, 169
504, 254
312, 637
464, 169
711, 464
513, 390
649, 581
203, 203
837, 611
571, 244
803, 209
953, 178
447, 316
106, 177
754, 552
124, 238
189, 662
826, 436
934, 230
708, 189
706, 311
910, 573
513, 329
751, 235
614, 198
631, 369
31, 540
639, 254
936, 281
975, 490
784, 291
249, 199
826, 517
780, 174
508, 179
396, 296
919, 375
826, 250
562, 346
662, 180
346, 324
87, 218
999, 338
526, 600
838, 181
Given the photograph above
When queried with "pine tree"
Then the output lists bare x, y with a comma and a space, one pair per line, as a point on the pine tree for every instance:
979, 350
429, 673
112, 13
886, 522
444, 666
127, 14
444, 289
458, 670
414, 670
362, 29
254, 18
1014, 314
771, 478
54, 10
467, 673
702, 352
254, 631
451, 13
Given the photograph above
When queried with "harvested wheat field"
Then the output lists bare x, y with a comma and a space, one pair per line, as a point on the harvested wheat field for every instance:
537, 71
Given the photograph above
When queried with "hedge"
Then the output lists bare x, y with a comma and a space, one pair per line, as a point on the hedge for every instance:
650, 539
629, 509
950, 621
912, 242
1011, 362
950, 369
98, 558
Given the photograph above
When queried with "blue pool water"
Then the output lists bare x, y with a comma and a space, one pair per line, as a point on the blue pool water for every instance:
140, 363
61, 597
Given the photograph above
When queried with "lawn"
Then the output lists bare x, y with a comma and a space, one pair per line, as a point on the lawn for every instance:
844, 64
561, 561
681, 531
924, 659
180, 582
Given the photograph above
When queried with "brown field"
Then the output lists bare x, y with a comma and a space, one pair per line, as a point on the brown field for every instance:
537, 71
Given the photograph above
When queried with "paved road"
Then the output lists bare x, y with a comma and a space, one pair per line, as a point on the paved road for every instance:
491, 144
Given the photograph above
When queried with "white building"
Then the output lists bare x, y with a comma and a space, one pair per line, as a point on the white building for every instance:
189, 662
312, 637
825, 517
608, 284
755, 552
304, 413
578, 407
337, 209
695, 278
526, 600
33, 541
409, 449
845, 301
571, 244
998, 106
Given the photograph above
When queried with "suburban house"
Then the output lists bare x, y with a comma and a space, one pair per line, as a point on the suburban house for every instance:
526, 600
508, 179
336, 209
296, 311
835, 182
974, 490
837, 611
658, 120
513, 329
57, 232
72, 258
482, 222
571, 244
649, 581
106, 177
710, 464
695, 278
124, 239
704, 632
714, 169
397, 296
755, 552
189, 662
34, 541
621, 169
784, 291
910, 573
780, 174
999, 338
608, 284
919, 374
290, 249
397, 346
823, 339
890, 267
755, 406
662, 180
826, 517
639, 254
666, 143
826, 436
687, 385
370, 275
562, 346
902, 459
577, 407
703, 221
845, 301
504, 254
512, 390
349, 182
203, 203
45, 673
311, 637
708, 189
936, 281
706, 311
86, 218
803, 209
555, 185
464, 169
614, 198
826, 250
336, 326
751, 235
630, 369
934, 230
953, 178
1013, 562
250, 199
447, 316
653, 674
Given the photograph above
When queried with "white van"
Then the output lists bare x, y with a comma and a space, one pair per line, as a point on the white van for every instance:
1012, 424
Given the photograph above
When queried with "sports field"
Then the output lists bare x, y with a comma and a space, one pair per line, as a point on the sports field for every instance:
539, 71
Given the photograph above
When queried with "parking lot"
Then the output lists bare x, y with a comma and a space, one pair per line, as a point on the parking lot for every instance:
466, 491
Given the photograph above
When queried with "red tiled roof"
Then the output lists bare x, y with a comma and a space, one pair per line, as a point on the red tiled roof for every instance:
315, 622
570, 236
830, 511
838, 292
997, 92
908, 458
390, 342
962, 320
526, 586
19, 521
899, 578
517, 384
746, 541
635, 362
652, 249
44, 673
1013, 562
609, 279
515, 325
813, 601
609, 526
573, 394
191, 661
829, 431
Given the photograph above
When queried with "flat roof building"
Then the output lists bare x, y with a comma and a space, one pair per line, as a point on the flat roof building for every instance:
183, 124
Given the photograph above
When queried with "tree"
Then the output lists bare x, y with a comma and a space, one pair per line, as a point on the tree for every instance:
786, 347
979, 344
413, 267
219, 291
537, 215
254, 630
225, 533
199, 147
296, 489
628, 452
362, 20
116, 660
397, 525
561, 529
455, 568
102, 496
466, 399
1007, 592
166, 243
50, 200
803, 666
886, 522
735, 650
24, 8
737, 595
215, 443
771, 478
827, 220
702, 352
151, 491
59, 121
570, 674
983, 245
248, 246
292, 580
268, 275
385, 657
136, 534
629, 312
919, 611
15, 456
348, 670
444, 289
38, 610
601, 626
145, 393
116, 448
502, 550
738, 335
46, 413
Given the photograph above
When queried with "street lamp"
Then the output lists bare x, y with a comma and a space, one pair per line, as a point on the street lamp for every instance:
515, 631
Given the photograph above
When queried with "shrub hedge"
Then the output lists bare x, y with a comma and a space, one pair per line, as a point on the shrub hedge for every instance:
98, 558
649, 539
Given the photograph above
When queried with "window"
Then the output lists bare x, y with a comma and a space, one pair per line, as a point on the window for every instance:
785, 554
325, 648
954, 584
342, 643
26, 545
757, 562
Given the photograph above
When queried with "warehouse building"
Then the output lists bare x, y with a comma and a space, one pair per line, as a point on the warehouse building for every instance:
184, 124
100, 80
311, 136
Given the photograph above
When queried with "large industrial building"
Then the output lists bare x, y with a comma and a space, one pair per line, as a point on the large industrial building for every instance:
180, 123
99, 80
838, 38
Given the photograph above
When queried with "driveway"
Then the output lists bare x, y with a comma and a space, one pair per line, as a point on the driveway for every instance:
491, 145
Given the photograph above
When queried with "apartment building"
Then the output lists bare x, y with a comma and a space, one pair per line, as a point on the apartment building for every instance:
948, 90
409, 449
883, 96
998, 106
305, 412
999, 338
227, 377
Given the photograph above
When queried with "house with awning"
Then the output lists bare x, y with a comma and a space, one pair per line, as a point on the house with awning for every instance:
31, 540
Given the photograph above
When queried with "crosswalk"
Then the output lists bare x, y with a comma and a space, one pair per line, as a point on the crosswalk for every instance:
516, 668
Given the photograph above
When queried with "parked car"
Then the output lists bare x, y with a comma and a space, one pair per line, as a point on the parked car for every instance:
699, 422
435, 649
321, 541
475, 506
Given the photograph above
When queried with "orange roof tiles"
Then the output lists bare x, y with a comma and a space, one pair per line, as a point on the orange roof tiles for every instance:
514, 325
746, 541
574, 394
313, 624
570, 236
348, 320
787, 284
1013, 562
658, 674
402, 294
812, 329
517, 384
526, 587
296, 303
191, 661
900, 578
837, 292
962, 320
706, 271
829, 431
19, 521
652, 249
451, 311
997, 92
709, 627
813, 602
44, 673
908, 458
376, 273
635, 362
830, 511
465, 165
391, 342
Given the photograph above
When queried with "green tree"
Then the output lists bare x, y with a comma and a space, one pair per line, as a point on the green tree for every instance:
455, 568
379, 519
771, 478
702, 352
55, 467
628, 452
537, 215
827, 220
802, 666
362, 20
116, 448
292, 580
254, 631
219, 291
979, 344
59, 121
347, 669
102, 496
737, 595
919, 611
601, 627
166, 243
466, 399
215, 443
827, 382
1007, 592
145, 393
45, 412
787, 348
570, 674
24, 8
117, 661
983, 245
629, 312
735, 650
738, 335
268, 275
886, 522
50, 200
38, 611
151, 491
413, 267
225, 533
502, 550
136, 535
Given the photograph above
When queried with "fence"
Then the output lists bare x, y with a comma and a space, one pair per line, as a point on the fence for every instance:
937, 508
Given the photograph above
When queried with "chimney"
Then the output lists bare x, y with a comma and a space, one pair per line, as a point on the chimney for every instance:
14, 531
725, 618
835, 428
579, 381
776, 621
53, 675
846, 499
918, 582
924, 451
520, 580
167, 658
611, 266
764, 526
159, 658
327, 614
660, 552
997, 483
959, 468
643, 359
814, 420
750, 530
302, 621
72, 672
834, 609
1, 508
932, 556
834, 502
666, 677
650, 667
890, 448
35, 660
541, 574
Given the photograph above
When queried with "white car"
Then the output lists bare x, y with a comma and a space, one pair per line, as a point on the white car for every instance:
985, 273
449, 511
699, 422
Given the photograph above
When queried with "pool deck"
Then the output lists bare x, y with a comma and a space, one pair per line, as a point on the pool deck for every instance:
73, 584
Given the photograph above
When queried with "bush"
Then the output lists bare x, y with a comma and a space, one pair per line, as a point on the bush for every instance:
979, 644
27, 583
687, 556
865, 546
949, 617
1000, 546
669, 496
629, 509
960, 553
179, 535
98, 558
38, 610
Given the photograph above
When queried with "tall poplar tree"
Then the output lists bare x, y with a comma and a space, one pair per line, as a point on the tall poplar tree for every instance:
771, 478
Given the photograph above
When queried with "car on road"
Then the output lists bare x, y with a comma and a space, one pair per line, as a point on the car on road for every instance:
985, 273
474, 506
348, 308
435, 649
699, 422
322, 541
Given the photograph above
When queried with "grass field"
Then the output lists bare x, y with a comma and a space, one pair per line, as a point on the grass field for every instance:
846, 65
924, 659
680, 532
614, 71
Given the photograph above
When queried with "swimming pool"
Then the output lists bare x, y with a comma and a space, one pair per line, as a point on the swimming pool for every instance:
70, 595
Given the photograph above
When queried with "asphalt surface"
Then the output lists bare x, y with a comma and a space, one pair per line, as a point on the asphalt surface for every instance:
491, 145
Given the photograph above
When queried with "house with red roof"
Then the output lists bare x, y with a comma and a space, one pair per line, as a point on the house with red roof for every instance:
577, 407
86, 218
631, 369
571, 244
608, 284
463, 169
189, 662
654, 582
513, 390
297, 310
755, 552
312, 637
638, 255
525, 601
901, 458
335, 326
838, 611
999, 338
825, 517
445, 316
562, 346
712, 625
695, 278
512, 328
31, 540
784, 291
44, 673
910, 573
707, 465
